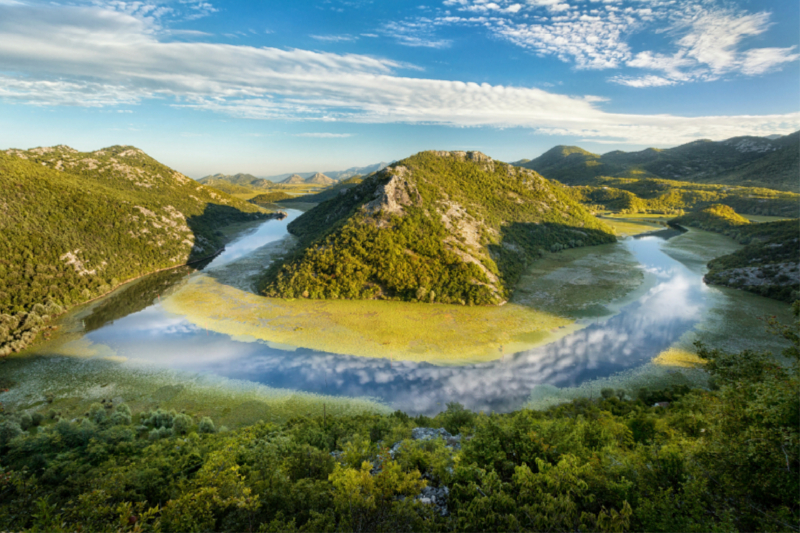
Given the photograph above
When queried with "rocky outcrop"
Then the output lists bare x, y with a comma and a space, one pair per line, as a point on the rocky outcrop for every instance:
394, 195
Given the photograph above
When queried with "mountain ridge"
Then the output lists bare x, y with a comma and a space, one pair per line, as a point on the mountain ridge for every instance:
746, 161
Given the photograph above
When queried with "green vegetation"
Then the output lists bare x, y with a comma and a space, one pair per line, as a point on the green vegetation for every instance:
718, 218
270, 197
240, 183
741, 161
767, 265
650, 195
74, 225
331, 192
450, 227
727, 459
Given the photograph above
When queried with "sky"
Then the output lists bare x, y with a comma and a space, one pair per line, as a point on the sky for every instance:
281, 86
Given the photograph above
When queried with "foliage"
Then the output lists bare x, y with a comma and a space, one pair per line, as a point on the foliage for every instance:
720, 460
768, 265
717, 217
270, 197
630, 195
462, 232
75, 225
331, 192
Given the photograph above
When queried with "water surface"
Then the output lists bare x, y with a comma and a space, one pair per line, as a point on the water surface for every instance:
140, 329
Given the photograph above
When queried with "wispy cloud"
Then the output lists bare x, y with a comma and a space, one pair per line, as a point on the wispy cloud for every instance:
324, 135
706, 38
418, 33
98, 57
335, 38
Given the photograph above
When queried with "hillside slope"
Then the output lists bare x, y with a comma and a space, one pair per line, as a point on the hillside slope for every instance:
451, 227
745, 161
769, 265
74, 225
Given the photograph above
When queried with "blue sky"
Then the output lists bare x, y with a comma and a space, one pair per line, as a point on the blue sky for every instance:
295, 86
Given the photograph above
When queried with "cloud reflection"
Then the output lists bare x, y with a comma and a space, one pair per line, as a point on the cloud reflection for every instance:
632, 337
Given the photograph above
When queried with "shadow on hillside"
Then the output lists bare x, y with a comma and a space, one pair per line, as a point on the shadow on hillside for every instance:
208, 239
139, 295
523, 242
209, 242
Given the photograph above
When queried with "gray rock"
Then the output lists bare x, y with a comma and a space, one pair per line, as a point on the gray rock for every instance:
436, 496
453, 442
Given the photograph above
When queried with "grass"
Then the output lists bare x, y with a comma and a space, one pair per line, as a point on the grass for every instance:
436, 333
75, 383
763, 218
628, 226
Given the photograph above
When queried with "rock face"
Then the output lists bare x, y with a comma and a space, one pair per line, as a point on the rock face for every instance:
392, 196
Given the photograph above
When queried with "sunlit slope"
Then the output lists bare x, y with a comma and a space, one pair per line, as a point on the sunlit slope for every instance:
73, 225
743, 161
448, 227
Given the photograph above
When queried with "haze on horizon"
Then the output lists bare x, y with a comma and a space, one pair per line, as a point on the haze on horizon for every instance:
271, 88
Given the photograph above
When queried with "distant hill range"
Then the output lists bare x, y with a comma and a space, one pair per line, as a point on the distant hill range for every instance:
315, 179
74, 225
243, 183
450, 227
772, 162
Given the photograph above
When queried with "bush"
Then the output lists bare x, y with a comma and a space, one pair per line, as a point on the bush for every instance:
181, 424
206, 425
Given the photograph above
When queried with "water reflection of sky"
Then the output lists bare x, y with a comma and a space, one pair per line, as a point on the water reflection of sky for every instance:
632, 337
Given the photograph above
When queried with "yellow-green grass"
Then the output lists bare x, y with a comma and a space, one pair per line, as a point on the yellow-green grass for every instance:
630, 225
435, 333
73, 384
675, 356
764, 218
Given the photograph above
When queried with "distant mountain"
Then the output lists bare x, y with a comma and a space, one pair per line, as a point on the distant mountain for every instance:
294, 179
451, 227
235, 183
326, 194
320, 179
337, 175
74, 225
747, 161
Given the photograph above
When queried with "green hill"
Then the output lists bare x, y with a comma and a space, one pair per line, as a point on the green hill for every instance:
439, 226
717, 217
327, 194
745, 161
236, 183
650, 195
270, 197
74, 225
769, 265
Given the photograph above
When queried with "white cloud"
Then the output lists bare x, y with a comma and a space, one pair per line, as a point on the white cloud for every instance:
643, 81
97, 57
418, 33
761, 60
707, 41
335, 38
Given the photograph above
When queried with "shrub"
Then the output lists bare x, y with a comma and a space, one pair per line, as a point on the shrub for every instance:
181, 424
206, 425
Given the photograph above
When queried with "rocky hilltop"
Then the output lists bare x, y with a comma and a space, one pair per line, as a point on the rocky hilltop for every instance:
320, 179
294, 179
451, 227
73, 225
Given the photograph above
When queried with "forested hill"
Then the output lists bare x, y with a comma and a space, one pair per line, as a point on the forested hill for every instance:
73, 225
452, 227
744, 161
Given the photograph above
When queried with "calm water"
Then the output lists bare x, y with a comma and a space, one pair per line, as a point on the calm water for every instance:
133, 323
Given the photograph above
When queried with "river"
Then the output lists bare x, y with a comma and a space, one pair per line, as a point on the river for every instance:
675, 302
